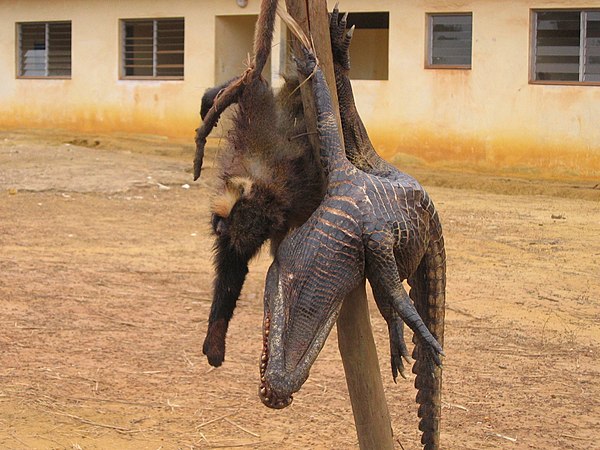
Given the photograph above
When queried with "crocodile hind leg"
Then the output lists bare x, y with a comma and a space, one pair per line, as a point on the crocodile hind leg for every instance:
340, 38
363, 155
398, 349
382, 272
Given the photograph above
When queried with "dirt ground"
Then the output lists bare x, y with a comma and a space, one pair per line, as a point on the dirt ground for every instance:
105, 287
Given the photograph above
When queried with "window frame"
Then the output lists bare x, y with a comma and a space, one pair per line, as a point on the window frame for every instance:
429, 64
19, 52
533, 46
122, 50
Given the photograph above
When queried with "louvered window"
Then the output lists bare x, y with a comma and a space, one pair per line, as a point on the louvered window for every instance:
566, 46
450, 40
153, 48
44, 49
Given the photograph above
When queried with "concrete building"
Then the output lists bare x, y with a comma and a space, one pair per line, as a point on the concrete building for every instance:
512, 85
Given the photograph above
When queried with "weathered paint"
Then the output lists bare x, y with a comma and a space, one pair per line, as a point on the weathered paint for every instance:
95, 98
515, 154
487, 117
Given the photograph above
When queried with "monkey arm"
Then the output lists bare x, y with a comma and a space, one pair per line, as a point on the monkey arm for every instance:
231, 270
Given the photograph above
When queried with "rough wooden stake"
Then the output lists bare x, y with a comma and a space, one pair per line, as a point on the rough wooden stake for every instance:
312, 17
359, 355
355, 338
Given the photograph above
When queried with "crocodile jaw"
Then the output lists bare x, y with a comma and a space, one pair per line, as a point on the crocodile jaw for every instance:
285, 360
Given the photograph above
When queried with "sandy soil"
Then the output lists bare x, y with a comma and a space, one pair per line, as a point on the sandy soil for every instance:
105, 287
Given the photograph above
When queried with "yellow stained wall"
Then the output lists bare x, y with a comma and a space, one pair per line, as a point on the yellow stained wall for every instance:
488, 117
95, 99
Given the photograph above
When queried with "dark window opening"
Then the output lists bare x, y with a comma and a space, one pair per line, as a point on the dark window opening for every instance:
450, 40
153, 48
566, 46
44, 49
369, 51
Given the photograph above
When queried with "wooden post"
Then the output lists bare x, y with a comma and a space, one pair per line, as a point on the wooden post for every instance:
363, 377
355, 337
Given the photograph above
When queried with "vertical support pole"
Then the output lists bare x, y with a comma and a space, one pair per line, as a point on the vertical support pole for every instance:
355, 337
363, 377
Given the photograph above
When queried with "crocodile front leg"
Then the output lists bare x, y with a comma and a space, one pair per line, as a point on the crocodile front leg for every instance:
398, 349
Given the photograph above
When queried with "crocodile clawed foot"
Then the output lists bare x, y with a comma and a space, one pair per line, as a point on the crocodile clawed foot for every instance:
307, 64
436, 358
435, 352
340, 38
407, 312
397, 367
431, 353
398, 349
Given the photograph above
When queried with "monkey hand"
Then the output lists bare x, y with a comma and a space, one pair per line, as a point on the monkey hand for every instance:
214, 343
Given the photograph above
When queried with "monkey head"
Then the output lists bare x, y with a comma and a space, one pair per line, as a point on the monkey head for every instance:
247, 213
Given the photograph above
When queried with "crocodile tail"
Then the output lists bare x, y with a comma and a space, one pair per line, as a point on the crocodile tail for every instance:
428, 286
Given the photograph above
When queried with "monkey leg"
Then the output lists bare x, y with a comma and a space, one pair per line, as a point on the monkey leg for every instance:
210, 117
208, 99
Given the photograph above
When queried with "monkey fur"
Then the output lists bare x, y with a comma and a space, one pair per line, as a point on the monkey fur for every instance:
270, 182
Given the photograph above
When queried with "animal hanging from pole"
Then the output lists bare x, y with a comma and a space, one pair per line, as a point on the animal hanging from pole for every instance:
382, 227
270, 179
271, 182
